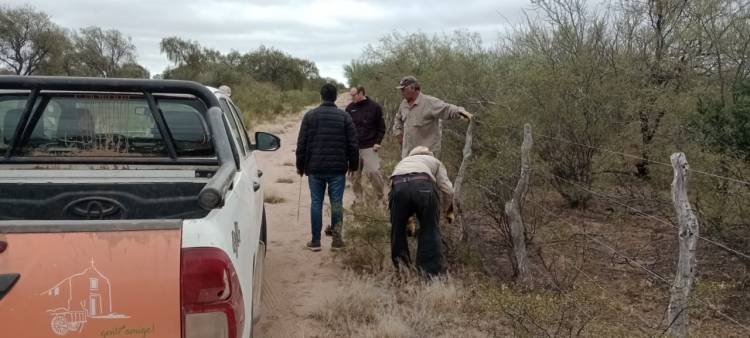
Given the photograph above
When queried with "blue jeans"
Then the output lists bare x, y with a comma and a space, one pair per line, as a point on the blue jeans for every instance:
336, 184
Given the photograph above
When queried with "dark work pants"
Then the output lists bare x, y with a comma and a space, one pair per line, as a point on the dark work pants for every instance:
421, 198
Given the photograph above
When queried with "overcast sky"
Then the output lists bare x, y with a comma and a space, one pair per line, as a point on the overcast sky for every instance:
329, 32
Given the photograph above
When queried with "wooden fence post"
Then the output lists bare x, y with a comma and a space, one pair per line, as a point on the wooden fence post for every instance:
677, 312
513, 209
458, 183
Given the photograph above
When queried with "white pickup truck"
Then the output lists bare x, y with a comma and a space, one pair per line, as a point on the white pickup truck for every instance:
128, 208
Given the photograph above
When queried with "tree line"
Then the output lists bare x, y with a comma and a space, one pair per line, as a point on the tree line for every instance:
268, 80
32, 44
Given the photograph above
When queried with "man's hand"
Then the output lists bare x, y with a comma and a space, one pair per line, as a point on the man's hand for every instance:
467, 115
375, 147
449, 215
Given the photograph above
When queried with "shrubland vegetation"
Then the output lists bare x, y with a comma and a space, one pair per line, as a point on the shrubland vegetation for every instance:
265, 82
610, 92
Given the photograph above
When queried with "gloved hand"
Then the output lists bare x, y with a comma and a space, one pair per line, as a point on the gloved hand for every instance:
411, 227
450, 215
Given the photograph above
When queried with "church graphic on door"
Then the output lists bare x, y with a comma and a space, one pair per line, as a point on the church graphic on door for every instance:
78, 298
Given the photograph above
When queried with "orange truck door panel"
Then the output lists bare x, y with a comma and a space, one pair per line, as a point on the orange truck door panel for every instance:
99, 283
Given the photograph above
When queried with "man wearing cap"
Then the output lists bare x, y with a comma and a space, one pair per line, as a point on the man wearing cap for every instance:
415, 184
418, 120
368, 118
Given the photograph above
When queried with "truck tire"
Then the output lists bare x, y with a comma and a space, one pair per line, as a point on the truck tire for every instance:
258, 267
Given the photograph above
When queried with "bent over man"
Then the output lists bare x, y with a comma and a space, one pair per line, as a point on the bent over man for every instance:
418, 121
415, 184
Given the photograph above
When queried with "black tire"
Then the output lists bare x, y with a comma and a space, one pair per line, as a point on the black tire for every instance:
258, 268
263, 234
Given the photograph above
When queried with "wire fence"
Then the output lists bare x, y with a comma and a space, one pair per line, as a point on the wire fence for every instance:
601, 240
627, 155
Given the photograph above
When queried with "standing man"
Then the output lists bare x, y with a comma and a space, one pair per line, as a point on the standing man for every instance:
415, 184
326, 149
368, 118
418, 120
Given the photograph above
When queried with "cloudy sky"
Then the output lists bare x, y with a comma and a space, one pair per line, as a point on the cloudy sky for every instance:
329, 32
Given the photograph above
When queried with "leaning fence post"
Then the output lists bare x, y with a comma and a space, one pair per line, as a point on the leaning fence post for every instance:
458, 183
677, 312
513, 209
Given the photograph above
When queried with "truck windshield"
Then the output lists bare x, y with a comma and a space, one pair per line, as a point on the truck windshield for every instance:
92, 125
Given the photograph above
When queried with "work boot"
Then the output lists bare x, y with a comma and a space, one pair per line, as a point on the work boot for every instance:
337, 244
313, 246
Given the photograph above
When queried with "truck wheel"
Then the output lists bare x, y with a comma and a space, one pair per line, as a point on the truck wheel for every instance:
59, 325
260, 256
263, 233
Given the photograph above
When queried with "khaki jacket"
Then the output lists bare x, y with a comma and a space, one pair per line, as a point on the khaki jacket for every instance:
420, 122
429, 165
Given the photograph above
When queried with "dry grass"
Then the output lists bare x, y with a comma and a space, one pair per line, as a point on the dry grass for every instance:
272, 198
384, 306
286, 180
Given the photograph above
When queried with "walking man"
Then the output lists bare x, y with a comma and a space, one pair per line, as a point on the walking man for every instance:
368, 119
326, 149
418, 120
415, 184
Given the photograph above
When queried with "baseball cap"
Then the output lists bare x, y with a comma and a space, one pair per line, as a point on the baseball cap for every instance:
406, 81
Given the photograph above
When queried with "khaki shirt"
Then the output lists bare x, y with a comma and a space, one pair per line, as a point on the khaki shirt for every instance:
429, 165
420, 122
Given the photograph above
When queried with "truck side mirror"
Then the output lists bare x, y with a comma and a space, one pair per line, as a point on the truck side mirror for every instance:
266, 141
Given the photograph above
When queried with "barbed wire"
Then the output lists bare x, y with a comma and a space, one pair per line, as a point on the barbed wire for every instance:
632, 261
636, 157
606, 292
641, 212
647, 270
656, 218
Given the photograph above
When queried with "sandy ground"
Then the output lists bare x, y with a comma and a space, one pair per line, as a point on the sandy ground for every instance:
297, 281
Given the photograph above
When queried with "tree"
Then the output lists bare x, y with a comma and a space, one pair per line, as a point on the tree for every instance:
28, 38
192, 61
133, 70
279, 68
104, 53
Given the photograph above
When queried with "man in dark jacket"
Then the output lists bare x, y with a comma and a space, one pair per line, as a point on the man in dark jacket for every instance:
368, 118
326, 149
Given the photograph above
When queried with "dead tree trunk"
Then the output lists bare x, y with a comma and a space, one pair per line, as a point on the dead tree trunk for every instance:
677, 312
459, 182
513, 210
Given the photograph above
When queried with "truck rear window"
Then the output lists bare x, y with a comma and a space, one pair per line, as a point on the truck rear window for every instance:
107, 125
11, 108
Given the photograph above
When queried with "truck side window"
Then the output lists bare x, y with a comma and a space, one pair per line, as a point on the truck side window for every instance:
233, 124
187, 126
245, 137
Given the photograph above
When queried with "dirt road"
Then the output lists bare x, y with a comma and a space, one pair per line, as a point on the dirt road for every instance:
297, 281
